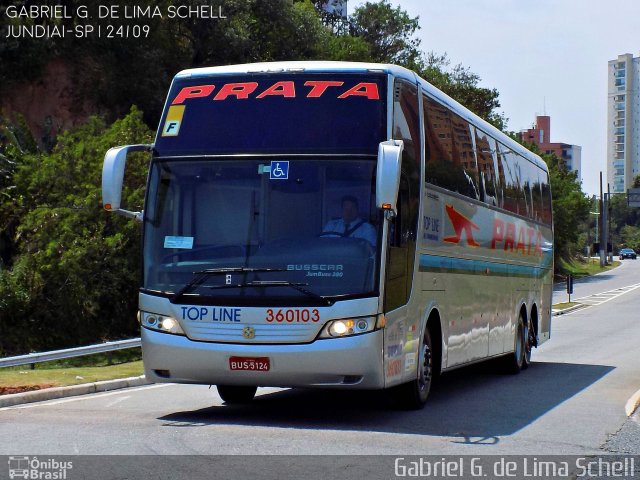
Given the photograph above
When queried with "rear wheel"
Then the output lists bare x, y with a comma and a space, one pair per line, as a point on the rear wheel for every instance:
514, 361
530, 342
413, 395
232, 394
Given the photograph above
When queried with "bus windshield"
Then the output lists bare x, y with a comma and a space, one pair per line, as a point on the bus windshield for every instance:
265, 229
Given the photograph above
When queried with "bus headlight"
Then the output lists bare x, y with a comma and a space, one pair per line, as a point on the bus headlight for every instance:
160, 323
348, 326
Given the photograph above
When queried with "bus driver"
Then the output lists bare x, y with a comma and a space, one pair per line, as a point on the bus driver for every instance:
350, 224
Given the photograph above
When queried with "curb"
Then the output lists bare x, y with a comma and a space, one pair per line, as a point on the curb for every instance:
567, 310
70, 391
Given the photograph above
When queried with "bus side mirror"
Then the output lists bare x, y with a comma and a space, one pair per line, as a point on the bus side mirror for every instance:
113, 167
388, 174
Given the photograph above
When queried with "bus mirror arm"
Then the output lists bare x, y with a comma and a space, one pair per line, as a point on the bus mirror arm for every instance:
388, 175
113, 168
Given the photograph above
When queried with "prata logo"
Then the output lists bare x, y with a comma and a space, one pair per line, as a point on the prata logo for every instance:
34, 468
461, 224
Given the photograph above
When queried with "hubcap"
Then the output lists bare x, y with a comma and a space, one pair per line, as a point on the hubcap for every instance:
425, 368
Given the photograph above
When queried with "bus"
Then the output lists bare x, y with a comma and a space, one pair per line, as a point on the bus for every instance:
334, 225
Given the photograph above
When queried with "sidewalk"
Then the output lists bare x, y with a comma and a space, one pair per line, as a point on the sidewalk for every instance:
70, 391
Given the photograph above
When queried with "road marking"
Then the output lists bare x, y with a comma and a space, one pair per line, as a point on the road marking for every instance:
604, 297
89, 396
117, 400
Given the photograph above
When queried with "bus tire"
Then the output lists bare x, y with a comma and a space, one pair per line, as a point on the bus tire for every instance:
530, 341
515, 360
234, 394
413, 395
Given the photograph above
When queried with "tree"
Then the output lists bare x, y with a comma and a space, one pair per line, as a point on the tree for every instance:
75, 276
620, 216
389, 32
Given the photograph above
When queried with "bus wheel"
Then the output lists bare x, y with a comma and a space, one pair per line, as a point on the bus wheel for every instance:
530, 336
514, 361
413, 395
233, 394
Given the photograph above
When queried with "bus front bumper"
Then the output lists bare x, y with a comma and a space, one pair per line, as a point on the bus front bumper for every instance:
349, 362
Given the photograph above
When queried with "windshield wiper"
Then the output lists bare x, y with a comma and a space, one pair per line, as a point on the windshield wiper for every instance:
278, 283
202, 275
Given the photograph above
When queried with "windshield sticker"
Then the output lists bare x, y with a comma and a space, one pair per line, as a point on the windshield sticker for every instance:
174, 119
279, 170
178, 242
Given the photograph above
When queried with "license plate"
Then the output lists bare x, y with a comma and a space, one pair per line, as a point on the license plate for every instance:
253, 364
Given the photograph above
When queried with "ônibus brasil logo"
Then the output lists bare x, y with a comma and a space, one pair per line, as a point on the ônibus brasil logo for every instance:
34, 468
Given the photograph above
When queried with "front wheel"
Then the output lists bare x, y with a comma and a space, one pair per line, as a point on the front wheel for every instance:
413, 395
233, 394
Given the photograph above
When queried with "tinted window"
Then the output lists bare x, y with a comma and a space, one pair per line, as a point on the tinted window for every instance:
486, 155
324, 113
406, 119
464, 156
402, 235
536, 195
513, 191
449, 152
546, 197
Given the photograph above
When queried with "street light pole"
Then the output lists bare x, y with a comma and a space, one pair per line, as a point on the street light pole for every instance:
601, 223
610, 255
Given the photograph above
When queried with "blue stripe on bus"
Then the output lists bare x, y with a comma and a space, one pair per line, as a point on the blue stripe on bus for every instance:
436, 263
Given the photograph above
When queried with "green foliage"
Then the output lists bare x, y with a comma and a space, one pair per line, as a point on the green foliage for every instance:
570, 208
624, 221
75, 276
388, 31
630, 237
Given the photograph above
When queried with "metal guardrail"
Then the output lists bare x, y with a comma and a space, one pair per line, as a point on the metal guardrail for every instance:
33, 358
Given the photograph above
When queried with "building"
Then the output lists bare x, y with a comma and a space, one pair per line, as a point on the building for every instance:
540, 134
623, 117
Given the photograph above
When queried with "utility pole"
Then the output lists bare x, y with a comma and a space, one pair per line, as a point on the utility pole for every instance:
609, 254
602, 238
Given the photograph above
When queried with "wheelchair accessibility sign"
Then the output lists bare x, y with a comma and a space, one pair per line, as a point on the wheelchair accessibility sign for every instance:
279, 170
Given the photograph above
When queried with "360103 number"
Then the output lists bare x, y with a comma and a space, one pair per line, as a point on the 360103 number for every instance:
293, 315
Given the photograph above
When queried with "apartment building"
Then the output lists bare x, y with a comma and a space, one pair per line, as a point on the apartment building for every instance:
623, 122
540, 134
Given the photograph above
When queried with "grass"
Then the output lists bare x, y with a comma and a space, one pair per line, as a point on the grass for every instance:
579, 268
73, 371
564, 305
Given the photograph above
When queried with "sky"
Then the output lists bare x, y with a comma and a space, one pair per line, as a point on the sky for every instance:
542, 56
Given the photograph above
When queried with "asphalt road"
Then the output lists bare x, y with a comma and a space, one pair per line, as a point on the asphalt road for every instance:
571, 401
628, 273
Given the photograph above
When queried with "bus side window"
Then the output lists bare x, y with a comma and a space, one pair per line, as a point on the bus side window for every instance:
486, 155
449, 152
546, 198
536, 195
513, 195
464, 156
439, 168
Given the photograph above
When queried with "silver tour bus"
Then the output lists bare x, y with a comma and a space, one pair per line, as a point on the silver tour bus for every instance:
335, 225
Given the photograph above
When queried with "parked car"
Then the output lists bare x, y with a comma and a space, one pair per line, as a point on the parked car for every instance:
627, 253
